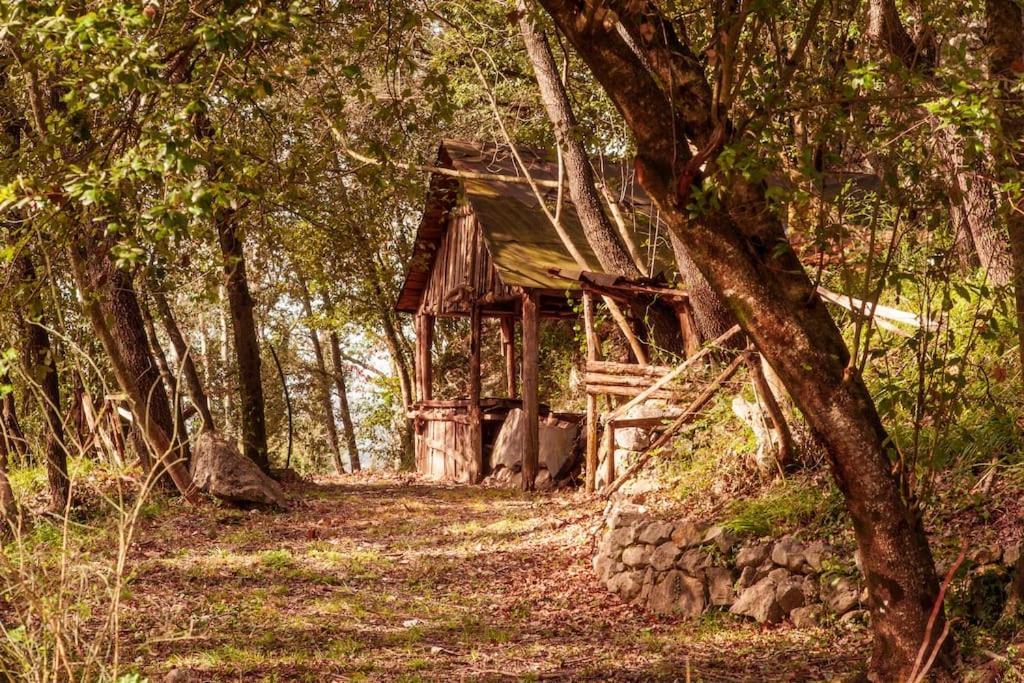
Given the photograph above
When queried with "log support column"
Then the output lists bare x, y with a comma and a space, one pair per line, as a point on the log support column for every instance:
592, 416
474, 433
424, 362
508, 347
531, 406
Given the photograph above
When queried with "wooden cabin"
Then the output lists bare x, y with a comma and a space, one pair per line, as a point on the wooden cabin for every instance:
485, 249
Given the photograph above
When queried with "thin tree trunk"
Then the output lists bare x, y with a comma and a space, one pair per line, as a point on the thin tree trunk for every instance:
10, 427
227, 402
41, 367
603, 238
322, 380
247, 351
107, 294
179, 433
186, 359
346, 414
742, 250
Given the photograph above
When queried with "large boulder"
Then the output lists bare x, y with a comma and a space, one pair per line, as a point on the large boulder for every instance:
220, 470
557, 444
759, 602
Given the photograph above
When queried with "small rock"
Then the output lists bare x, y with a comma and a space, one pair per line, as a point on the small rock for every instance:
645, 589
694, 561
691, 597
605, 566
841, 595
626, 584
656, 533
636, 555
779, 574
687, 535
808, 616
748, 577
626, 514
724, 540
621, 538
179, 676
664, 556
788, 552
986, 554
759, 603
720, 582
858, 617
790, 594
676, 593
752, 555
817, 553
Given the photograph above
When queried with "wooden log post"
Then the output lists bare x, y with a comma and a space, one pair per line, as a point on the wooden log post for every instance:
592, 417
531, 407
609, 453
473, 433
424, 359
508, 346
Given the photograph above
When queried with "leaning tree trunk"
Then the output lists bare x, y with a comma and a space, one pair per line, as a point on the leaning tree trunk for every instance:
41, 367
346, 414
107, 295
743, 251
186, 359
601, 235
247, 350
119, 307
180, 434
323, 382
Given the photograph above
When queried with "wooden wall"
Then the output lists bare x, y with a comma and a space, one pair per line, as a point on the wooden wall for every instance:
462, 269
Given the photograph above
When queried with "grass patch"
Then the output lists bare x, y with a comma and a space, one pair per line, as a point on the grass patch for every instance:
784, 507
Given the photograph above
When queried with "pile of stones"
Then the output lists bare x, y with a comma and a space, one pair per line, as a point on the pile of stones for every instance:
686, 568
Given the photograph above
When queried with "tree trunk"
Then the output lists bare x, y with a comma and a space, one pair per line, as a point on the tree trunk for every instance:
1005, 40
41, 368
247, 351
10, 428
179, 433
107, 294
186, 359
742, 250
323, 383
601, 235
346, 413
227, 403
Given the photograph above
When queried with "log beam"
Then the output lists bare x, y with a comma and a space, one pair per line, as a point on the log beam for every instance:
531, 406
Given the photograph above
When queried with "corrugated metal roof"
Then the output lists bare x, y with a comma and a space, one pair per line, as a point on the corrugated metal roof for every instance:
520, 238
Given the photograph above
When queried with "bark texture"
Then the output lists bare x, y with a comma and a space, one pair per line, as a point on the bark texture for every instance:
247, 350
323, 383
180, 432
346, 413
40, 363
742, 250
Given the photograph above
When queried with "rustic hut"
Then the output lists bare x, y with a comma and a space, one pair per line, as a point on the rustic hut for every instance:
485, 249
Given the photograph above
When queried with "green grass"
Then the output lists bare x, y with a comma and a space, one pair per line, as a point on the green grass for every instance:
786, 506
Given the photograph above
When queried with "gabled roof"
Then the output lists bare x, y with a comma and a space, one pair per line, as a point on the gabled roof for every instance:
519, 237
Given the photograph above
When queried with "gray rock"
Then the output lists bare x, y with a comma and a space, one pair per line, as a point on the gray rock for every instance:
604, 566
790, 594
645, 589
556, 438
841, 595
720, 582
637, 555
621, 538
758, 602
817, 553
220, 470
788, 552
675, 593
752, 555
694, 561
687, 535
748, 577
724, 540
656, 533
626, 514
665, 556
626, 584
808, 616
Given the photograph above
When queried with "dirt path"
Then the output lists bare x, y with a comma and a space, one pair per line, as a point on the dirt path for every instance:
370, 579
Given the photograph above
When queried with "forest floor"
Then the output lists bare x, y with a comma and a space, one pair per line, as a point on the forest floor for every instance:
387, 578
